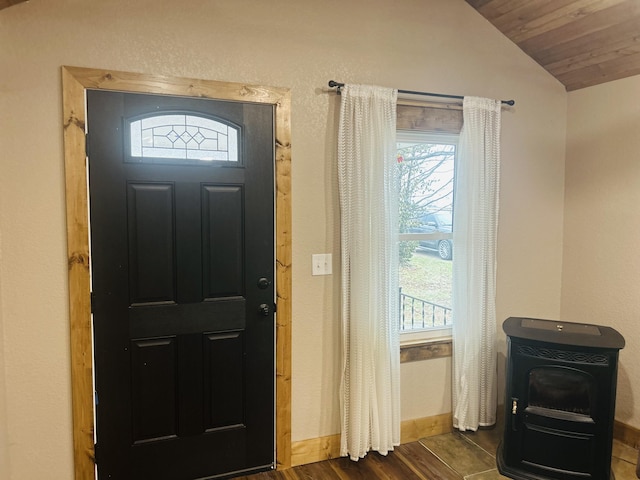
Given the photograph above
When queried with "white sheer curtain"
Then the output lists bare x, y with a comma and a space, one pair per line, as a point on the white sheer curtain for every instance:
474, 265
370, 386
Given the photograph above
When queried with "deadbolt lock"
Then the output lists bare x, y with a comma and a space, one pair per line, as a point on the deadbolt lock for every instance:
263, 283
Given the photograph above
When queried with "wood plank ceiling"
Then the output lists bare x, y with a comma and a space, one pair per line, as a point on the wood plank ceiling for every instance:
580, 42
8, 3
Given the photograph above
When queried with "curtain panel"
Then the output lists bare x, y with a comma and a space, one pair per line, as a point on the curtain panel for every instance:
370, 385
474, 265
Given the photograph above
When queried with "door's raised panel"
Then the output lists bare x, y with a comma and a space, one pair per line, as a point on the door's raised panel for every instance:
150, 209
224, 380
153, 369
222, 240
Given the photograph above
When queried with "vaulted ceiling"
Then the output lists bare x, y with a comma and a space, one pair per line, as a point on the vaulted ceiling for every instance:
8, 3
580, 42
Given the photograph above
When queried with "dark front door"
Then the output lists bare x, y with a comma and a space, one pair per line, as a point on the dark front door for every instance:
182, 246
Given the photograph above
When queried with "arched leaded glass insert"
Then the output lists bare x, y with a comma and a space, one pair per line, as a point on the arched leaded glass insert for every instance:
183, 137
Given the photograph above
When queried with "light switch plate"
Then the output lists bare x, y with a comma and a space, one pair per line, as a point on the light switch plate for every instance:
321, 264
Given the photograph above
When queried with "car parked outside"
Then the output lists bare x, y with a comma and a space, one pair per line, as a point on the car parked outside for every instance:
438, 222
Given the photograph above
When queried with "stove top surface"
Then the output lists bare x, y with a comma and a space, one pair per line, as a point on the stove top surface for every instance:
563, 333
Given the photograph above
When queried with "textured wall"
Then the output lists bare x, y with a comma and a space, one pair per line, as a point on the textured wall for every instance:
4, 447
601, 271
433, 45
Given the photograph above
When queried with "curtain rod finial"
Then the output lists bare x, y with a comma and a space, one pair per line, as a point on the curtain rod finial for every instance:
333, 83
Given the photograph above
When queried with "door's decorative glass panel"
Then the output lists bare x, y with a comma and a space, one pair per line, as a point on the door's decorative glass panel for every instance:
183, 136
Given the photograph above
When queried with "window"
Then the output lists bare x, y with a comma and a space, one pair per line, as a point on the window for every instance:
426, 167
180, 136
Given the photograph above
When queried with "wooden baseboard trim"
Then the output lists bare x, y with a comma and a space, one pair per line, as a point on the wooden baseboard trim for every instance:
315, 450
413, 430
626, 434
323, 448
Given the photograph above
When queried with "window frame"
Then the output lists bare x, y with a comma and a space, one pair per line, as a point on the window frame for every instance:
435, 334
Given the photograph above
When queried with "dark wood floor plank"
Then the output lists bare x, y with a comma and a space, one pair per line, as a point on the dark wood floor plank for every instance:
348, 469
411, 461
425, 463
316, 471
273, 475
393, 466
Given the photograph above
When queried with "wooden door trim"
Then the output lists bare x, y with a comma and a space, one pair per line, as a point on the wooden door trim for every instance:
75, 82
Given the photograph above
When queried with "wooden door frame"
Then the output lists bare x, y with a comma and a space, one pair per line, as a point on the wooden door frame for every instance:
75, 82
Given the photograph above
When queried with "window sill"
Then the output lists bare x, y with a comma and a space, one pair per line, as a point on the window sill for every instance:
426, 350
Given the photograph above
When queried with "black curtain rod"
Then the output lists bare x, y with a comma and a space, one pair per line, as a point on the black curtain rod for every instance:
333, 83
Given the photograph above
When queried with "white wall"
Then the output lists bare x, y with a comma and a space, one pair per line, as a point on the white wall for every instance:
4, 448
433, 45
601, 273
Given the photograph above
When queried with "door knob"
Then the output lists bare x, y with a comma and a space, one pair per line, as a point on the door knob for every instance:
264, 309
263, 283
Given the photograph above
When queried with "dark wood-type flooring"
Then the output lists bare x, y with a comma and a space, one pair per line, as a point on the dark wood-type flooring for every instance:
452, 456
409, 461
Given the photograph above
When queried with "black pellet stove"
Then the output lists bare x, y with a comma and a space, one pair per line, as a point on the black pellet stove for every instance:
559, 401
